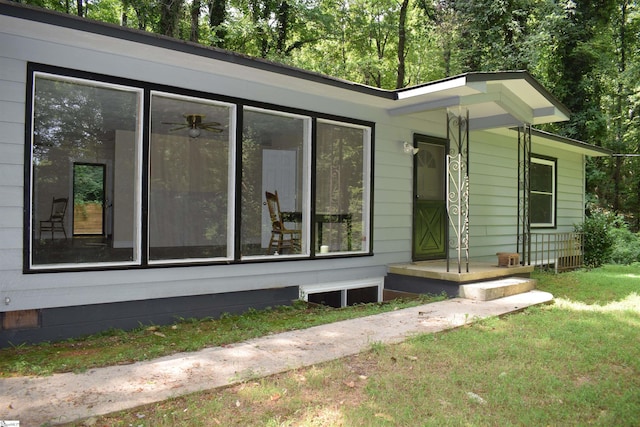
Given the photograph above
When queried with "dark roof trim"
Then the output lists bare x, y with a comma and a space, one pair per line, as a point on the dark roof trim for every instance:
73, 22
571, 141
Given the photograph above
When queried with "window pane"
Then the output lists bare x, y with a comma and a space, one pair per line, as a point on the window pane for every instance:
431, 171
188, 178
541, 209
274, 161
541, 177
341, 188
76, 122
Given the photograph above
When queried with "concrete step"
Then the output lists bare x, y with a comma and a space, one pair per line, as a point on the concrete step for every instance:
494, 289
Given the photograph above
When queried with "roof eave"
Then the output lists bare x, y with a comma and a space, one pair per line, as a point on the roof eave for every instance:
576, 145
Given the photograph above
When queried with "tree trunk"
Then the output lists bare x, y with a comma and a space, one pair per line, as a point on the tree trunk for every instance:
169, 15
80, 7
402, 42
217, 17
196, 5
283, 24
620, 104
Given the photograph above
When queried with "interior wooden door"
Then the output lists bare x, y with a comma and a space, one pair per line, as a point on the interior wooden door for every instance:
430, 223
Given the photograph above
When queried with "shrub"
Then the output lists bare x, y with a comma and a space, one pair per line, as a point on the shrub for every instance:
598, 239
626, 249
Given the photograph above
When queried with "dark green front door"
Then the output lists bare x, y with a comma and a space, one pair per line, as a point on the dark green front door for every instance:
430, 209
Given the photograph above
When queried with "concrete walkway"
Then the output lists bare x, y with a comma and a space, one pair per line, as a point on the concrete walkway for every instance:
63, 398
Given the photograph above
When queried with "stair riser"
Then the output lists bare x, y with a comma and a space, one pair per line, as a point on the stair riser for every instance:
480, 292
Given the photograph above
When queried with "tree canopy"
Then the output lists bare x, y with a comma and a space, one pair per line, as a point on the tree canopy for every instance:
586, 52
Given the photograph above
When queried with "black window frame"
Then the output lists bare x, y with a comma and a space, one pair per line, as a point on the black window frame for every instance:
547, 160
147, 88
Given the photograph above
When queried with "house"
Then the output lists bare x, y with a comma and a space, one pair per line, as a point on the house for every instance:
135, 169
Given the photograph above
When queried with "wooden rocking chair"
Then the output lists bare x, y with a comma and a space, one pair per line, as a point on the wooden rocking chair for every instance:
282, 238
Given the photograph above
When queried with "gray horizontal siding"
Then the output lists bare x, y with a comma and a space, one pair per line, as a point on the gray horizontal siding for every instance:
12, 110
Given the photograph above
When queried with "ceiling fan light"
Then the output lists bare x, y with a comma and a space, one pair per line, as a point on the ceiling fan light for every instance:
194, 132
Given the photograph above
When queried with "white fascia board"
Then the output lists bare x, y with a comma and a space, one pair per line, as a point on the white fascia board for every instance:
548, 115
433, 88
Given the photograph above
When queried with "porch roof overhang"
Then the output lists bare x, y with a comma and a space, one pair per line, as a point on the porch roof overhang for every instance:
541, 137
493, 100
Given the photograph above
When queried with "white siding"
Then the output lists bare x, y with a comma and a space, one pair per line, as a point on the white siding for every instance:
12, 88
494, 192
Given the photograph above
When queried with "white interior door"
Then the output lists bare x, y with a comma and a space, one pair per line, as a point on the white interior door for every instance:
279, 173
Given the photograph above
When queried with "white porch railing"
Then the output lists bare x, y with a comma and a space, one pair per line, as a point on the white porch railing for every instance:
556, 251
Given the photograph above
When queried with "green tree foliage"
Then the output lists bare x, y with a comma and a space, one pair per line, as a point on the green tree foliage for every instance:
627, 247
88, 184
598, 239
492, 34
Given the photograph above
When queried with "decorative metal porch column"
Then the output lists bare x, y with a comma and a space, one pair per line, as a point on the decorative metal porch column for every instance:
457, 187
524, 192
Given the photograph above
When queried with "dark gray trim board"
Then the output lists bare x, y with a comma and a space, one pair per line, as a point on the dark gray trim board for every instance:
68, 322
420, 285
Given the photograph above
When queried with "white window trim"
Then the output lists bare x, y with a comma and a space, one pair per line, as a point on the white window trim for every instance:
137, 234
306, 183
366, 184
230, 179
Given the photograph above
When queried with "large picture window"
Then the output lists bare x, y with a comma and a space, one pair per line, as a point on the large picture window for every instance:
342, 188
77, 123
189, 158
122, 174
543, 192
275, 151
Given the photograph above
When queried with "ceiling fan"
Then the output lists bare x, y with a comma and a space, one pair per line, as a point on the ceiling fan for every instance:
195, 123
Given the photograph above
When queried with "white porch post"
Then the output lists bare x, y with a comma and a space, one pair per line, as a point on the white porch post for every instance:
457, 187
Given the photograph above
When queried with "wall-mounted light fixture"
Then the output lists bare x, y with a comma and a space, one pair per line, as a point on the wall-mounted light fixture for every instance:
409, 149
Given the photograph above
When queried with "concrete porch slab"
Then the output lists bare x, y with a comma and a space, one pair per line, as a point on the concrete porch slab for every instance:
478, 271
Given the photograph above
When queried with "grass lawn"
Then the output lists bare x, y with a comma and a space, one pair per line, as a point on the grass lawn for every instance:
576, 362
